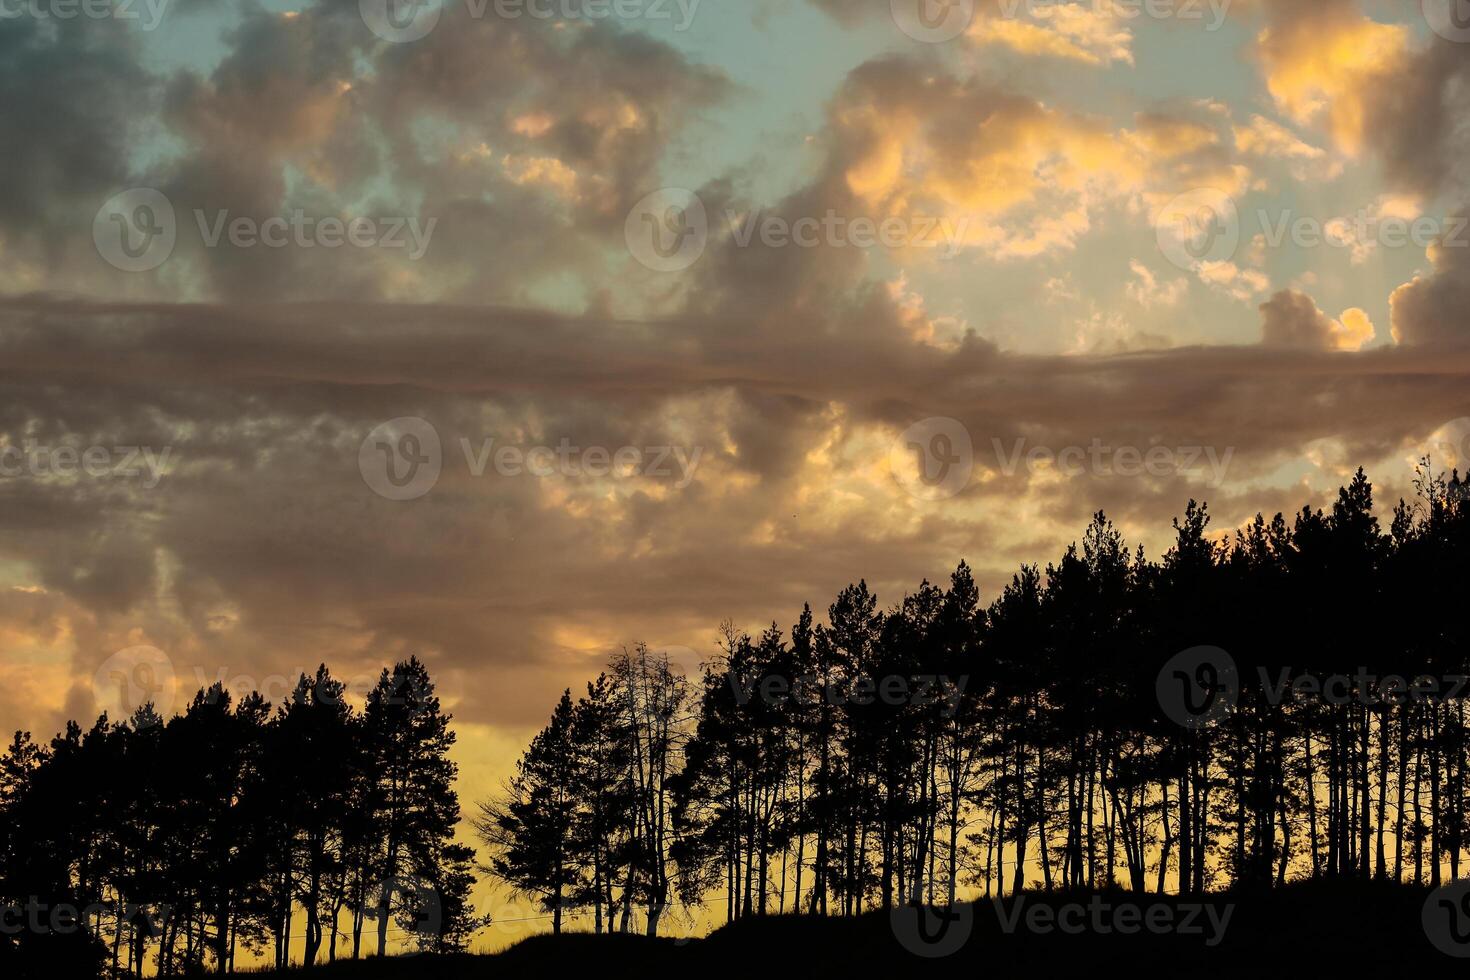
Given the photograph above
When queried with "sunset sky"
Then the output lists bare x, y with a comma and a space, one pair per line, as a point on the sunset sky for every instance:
1101, 237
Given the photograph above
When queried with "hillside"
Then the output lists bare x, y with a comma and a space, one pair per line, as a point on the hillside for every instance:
1354, 926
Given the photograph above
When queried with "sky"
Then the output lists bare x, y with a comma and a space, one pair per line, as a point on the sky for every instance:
507, 333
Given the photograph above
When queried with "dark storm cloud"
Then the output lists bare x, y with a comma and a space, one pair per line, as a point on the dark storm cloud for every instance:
72, 101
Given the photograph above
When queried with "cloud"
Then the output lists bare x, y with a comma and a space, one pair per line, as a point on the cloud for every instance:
485, 124
1147, 291
1264, 139
72, 98
1431, 309
264, 551
1023, 178
1075, 32
1292, 319
1233, 280
1323, 60
1371, 87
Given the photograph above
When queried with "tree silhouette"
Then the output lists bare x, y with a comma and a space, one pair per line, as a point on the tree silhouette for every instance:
801, 772
531, 831
178, 841
411, 794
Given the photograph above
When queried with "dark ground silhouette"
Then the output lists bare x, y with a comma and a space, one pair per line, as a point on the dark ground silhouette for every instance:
1301, 930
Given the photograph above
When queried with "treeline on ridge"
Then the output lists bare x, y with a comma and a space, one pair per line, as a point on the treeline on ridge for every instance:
784, 777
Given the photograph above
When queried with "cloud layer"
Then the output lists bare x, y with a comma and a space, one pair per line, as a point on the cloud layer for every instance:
1053, 316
